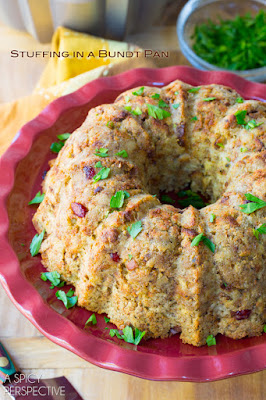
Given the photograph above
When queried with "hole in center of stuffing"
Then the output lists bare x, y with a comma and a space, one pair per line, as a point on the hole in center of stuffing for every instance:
184, 198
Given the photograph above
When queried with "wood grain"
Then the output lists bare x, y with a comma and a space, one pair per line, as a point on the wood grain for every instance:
33, 353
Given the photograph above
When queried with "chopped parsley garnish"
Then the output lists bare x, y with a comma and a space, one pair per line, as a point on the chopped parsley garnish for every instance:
53, 277
107, 319
92, 320
56, 147
98, 164
69, 302
155, 96
137, 111
194, 118
260, 230
110, 124
128, 335
135, 229
209, 99
115, 332
139, 92
130, 257
240, 100
243, 149
118, 199
102, 174
127, 98
70, 293
220, 145
240, 119
190, 198
201, 238
228, 159
167, 199
36, 243
162, 104
225, 284
157, 112
37, 199
212, 217
252, 124
234, 44
64, 136
175, 106
211, 341
194, 89
122, 153
127, 108
254, 205
264, 329
102, 152
176, 93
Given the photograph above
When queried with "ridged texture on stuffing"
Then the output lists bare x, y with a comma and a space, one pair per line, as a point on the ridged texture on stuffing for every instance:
157, 282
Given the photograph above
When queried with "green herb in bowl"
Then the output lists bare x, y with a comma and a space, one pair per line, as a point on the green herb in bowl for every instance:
238, 44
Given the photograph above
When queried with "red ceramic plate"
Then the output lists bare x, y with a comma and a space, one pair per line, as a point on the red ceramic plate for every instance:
22, 167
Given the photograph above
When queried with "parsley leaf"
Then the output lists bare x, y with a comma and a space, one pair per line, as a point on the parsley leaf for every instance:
156, 96
102, 174
194, 118
139, 92
53, 277
240, 100
130, 256
220, 145
252, 124
255, 204
243, 149
211, 341
98, 164
191, 198
63, 136
162, 104
70, 293
118, 199
102, 152
260, 230
240, 116
212, 217
122, 153
92, 320
115, 332
36, 243
209, 99
201, 238
107, 319
157, 112
137, 111
37, 199
264, 329
56, 147
135, 229
69, 302
127, 108
110, 124
194, 89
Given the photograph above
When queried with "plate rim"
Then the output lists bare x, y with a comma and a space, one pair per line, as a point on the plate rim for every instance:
109, 355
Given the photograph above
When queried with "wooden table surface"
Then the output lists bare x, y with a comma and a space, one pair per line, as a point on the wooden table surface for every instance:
33, 353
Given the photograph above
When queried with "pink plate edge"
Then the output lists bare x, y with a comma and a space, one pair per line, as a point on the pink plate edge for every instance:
28, 301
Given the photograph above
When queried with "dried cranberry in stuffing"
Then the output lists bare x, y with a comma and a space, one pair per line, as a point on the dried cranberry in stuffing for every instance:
115, 257
242, 314
89, 172
79, 210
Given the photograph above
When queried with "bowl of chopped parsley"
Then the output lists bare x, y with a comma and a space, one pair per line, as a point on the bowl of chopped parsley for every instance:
229, 35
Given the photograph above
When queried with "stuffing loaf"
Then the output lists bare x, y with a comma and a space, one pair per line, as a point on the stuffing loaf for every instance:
132, 257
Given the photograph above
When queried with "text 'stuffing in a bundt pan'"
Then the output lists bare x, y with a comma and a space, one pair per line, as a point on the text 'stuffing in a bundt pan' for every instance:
133, 258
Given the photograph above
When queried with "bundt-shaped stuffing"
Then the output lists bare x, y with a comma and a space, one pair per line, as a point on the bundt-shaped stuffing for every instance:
133, 258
